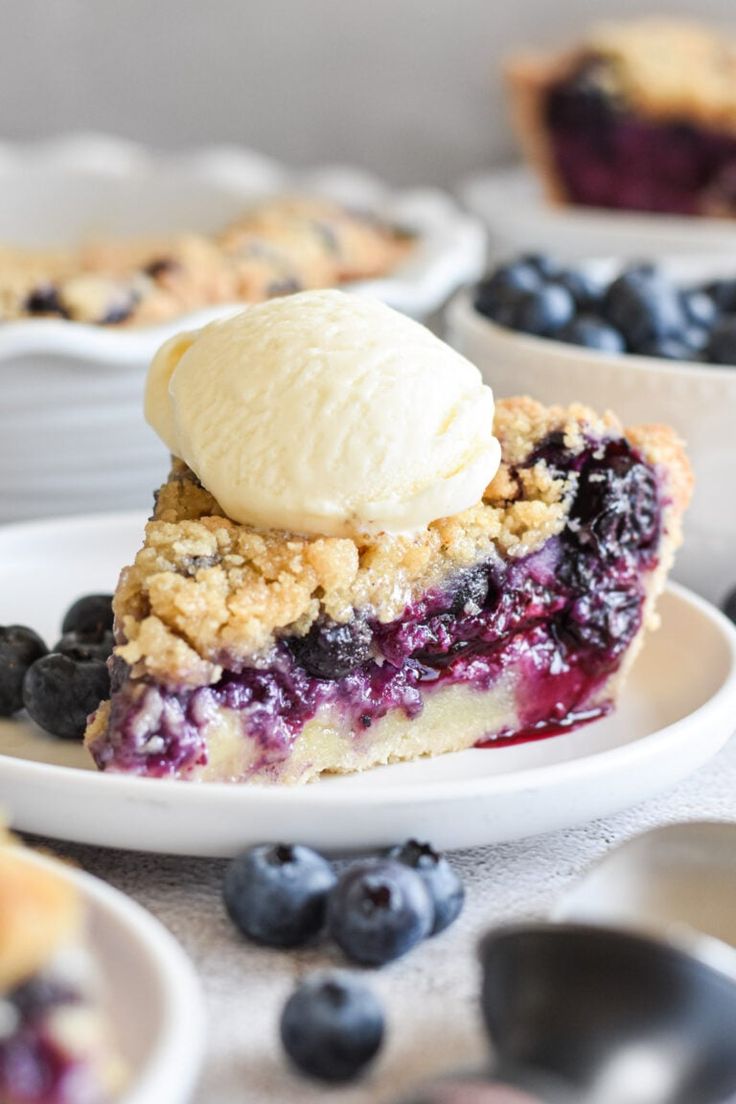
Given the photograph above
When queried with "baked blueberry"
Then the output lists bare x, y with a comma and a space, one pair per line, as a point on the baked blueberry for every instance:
615, 507
441, 881
19, 648
161, 266
81, 647
332, 1026
729, 606
379, 910
44, 299
544, 312
593, 333
721, 348
644, 307
276, 894
331, 650
91, 615
60, 693
471, 590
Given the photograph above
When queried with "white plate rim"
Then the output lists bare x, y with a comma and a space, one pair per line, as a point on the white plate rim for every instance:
508, 181
589, 767
172, 1070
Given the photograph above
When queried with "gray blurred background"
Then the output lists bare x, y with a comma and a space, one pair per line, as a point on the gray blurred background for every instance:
409, 88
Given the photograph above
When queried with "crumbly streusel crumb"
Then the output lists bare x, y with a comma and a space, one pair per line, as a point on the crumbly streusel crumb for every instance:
205, 592
283, 245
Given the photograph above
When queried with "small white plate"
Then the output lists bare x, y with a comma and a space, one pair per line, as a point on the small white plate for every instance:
510, 202
153, 994
675, 713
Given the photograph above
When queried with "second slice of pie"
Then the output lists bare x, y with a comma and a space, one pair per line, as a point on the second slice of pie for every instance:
255, 652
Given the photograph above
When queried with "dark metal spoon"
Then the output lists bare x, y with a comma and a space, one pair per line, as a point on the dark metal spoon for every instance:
603, 1016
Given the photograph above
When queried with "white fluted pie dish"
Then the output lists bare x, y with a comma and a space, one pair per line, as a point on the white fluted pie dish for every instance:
72, 435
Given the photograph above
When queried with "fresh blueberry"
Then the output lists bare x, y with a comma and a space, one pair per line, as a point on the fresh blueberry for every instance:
19, 648
443, 884
547, 267
544, 312
723, 294
276, 894
729, 606
497, 295
644, 307
668, 348
60, 693
593, 333
330, 650
332, 1026
700, 309
89, 616
721, 348
697, 339
378, 911
81, 647
640, 268
584, 289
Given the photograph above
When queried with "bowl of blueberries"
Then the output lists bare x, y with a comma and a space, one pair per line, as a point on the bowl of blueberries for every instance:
654, 342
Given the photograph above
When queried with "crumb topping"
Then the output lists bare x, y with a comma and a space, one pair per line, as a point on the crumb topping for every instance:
205, 592
664, 67
280, 246
39, 912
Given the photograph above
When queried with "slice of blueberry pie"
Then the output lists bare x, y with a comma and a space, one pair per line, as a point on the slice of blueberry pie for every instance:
638, 116
55, 1040
366, 566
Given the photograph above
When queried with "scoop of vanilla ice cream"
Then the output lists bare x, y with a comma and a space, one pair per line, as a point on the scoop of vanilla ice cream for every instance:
326, 413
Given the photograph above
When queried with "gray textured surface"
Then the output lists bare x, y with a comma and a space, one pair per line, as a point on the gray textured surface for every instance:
430, 995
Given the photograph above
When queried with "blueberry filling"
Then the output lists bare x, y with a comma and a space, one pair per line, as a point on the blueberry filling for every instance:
44, 299
33, 1066
607, 156
564, 614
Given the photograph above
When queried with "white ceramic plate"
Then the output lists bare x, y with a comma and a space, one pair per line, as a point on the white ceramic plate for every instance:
674, 715
153, 995
510, 202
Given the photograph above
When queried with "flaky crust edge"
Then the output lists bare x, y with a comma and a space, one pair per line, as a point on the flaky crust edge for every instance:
39, 913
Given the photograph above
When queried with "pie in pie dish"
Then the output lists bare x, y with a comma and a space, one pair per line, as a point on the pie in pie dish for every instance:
55, 1040
276, 247
638, 116
254, 653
